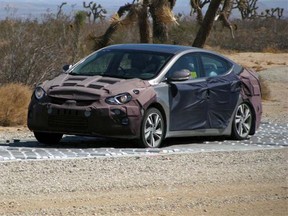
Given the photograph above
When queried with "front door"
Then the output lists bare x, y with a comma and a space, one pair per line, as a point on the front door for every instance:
188, 99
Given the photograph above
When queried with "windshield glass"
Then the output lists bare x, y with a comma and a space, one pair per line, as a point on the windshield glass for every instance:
122, 64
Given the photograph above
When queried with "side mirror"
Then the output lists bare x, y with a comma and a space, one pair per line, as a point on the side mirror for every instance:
181, 75
66, 67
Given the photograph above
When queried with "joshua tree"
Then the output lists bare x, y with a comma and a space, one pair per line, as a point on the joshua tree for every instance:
116, 22
196, 7
60, 9
79, 21
96, 11
207, 24
143, 22
247, 8
273, 12
161, 14
224, 14
160, 11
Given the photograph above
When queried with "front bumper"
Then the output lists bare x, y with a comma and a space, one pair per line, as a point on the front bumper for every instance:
100, 119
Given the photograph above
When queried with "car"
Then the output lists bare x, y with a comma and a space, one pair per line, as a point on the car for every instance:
148, 92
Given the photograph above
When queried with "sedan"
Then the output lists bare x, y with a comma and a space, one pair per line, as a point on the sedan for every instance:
148, 92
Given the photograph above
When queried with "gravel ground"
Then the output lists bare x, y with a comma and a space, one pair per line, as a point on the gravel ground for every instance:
234, 183
237, 183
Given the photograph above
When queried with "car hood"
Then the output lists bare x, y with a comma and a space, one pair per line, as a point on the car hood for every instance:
91, 87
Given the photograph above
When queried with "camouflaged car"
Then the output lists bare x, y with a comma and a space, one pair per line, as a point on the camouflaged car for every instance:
148, 92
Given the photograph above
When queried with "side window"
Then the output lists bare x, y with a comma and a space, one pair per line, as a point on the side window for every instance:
214, 65
187, 62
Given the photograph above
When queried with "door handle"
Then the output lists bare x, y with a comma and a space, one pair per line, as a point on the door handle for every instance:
208, 94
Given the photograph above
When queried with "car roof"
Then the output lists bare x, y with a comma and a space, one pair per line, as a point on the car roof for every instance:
163, 48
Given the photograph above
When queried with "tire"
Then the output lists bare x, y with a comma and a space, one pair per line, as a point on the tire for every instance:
48, 138
242, 122
152, 129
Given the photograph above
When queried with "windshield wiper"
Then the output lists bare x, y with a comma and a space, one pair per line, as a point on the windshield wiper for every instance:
114, 76
82, 74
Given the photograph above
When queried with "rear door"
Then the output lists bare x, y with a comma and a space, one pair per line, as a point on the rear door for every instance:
223, 88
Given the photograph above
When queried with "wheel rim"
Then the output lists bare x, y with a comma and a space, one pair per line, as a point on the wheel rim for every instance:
153, 130
243, 120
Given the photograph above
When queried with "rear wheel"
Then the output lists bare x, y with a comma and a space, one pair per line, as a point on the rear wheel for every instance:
48, 138
242, 122
152, 129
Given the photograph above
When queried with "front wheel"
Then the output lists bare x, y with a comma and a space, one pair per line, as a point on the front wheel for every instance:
242, 122
48, 138
152, 129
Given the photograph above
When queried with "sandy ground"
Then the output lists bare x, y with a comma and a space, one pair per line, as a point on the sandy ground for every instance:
237, 183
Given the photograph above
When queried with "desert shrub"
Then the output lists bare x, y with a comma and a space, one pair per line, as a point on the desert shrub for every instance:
265, 90
184, 33
33, 50
14, 100
252, 35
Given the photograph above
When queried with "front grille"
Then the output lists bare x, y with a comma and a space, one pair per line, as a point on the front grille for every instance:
61, 101
58, 101
69, 84
70, 120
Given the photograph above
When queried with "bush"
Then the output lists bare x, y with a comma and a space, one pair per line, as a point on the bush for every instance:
14, 100
265, 90
251, 35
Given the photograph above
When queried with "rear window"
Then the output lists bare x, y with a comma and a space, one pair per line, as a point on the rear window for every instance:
214, 65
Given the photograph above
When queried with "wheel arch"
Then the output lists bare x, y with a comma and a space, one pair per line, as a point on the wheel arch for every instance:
241, 100
161, 109
253, 128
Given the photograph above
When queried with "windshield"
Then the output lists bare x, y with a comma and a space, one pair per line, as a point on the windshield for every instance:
122, 64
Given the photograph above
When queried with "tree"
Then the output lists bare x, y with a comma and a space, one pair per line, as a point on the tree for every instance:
160, 11
207, 24
143, 22
247, 8
116, 22
59, 13
161, 14
95, 10
225, 14
196, 7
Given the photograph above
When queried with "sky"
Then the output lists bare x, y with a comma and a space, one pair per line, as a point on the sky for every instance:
28, 8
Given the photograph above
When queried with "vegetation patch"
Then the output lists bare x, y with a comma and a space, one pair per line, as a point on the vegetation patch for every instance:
13, 104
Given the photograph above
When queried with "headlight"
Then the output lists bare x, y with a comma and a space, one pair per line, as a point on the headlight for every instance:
119, 99
39, 93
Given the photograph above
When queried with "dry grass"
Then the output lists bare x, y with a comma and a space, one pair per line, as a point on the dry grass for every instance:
265, 90
251, 36
13, 104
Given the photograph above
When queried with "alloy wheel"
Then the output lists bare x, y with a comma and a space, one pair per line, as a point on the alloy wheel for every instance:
243, 121
152, 129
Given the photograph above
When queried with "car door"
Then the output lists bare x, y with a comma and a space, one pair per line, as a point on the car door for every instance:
223, 88
188, 99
